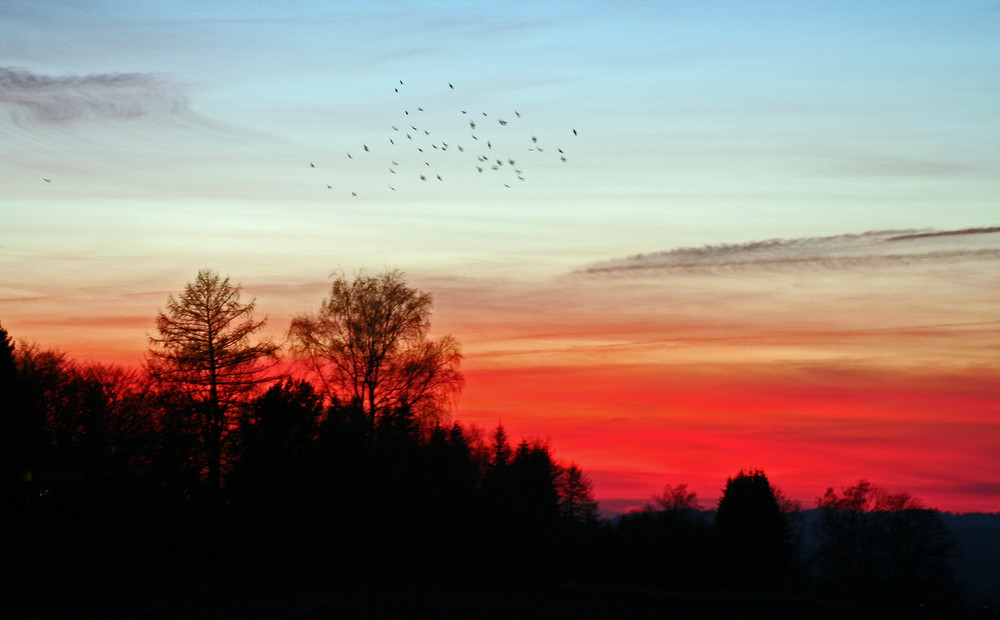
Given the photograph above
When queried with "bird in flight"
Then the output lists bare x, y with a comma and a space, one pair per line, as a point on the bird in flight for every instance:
495, 159
311, 165
46, 180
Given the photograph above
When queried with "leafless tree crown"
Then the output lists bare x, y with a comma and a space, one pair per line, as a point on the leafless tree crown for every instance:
368, 345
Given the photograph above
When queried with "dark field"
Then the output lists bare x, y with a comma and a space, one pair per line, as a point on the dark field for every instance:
82, 572
276, 593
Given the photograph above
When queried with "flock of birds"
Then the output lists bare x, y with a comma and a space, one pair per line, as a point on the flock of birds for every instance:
493, 146
497, 147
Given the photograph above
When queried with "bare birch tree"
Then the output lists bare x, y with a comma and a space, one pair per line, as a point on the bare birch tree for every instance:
368, 344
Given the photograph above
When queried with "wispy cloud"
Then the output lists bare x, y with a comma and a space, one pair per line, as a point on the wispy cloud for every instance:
31, 98
946, 233
867, 165
870, 249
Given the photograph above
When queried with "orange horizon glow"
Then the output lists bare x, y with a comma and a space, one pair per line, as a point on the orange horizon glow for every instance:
818, 366
635, 429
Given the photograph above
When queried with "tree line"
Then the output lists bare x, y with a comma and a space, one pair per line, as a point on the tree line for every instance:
216, 448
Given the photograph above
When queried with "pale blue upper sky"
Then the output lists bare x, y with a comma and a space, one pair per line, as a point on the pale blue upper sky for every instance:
178, 135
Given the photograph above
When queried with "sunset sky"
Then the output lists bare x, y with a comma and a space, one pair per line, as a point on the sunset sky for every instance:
739, 264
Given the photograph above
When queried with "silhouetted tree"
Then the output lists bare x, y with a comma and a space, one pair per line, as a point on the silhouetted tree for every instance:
85, 423
500, 450
205, 349
8, 366
174, 465
278, 440
882, 546
666, 542
533, 476
797, 526
40, 397
28, 377
10, 420
103, 428
368, 345
676, 502
520, 503
447, 493
577, 505
21, 432
752, 532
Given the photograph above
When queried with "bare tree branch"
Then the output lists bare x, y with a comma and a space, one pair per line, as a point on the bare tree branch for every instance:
204, 349
368, 345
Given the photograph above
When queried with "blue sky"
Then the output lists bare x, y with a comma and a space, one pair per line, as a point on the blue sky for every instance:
699, 122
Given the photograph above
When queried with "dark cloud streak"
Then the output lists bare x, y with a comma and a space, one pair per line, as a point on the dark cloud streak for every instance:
31, 98
849, 251
946, 233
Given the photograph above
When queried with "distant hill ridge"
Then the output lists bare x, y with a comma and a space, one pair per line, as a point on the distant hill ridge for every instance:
977, 539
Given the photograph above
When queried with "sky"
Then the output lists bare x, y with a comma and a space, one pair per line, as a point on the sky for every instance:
704, 236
